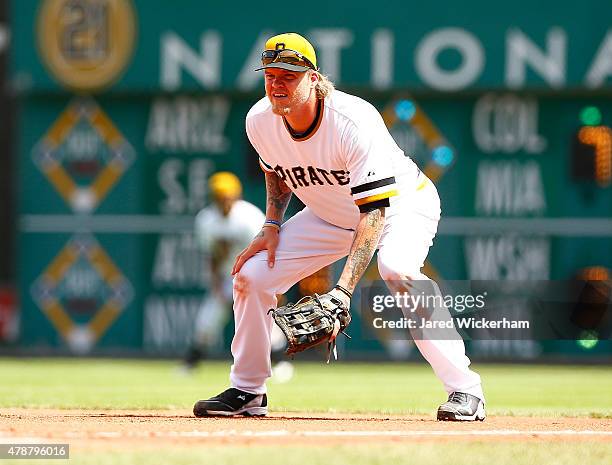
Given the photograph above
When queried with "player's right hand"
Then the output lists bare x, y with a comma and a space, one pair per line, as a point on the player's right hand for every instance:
267, 239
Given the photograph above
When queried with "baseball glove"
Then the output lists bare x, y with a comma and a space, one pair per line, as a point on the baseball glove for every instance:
313, 320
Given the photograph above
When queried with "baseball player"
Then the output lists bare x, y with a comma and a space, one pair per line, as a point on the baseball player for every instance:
361, 193
222, 230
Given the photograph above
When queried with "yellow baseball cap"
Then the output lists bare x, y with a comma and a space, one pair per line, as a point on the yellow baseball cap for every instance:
225, 184
289, 51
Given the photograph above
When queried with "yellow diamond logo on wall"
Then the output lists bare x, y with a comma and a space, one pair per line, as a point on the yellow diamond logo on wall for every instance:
82, 293
83, 155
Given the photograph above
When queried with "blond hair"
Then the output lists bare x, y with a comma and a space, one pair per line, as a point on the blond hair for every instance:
324, 86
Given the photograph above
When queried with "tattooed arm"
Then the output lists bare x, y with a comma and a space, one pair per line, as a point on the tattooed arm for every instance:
364, 245
278, 195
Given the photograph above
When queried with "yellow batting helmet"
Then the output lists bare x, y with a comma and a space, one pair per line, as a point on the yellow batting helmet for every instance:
288, 51
225, 184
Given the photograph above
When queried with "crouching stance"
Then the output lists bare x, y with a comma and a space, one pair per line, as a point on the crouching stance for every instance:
334, 152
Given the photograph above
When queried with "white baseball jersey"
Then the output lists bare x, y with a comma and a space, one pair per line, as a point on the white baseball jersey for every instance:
345, 163
238, 229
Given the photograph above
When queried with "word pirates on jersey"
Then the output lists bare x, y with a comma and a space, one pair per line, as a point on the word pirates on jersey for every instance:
300, 176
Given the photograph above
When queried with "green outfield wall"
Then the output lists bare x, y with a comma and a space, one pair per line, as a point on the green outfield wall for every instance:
126, 108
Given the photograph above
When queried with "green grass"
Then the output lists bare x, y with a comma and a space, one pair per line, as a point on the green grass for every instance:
316, 387
429, 452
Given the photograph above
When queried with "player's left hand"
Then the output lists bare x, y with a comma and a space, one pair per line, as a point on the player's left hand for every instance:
313, 320
341, 296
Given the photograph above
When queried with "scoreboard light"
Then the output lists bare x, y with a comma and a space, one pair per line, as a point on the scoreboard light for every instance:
594, 273
405, 110
600, 137
588, 340
592, 149
593, 303
443, 155
590, 116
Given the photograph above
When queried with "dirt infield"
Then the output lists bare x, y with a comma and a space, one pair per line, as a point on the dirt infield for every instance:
133, 429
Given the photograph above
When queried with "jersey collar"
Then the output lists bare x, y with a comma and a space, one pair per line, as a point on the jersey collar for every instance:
302, 136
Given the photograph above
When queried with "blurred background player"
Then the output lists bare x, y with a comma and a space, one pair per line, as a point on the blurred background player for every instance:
223, 230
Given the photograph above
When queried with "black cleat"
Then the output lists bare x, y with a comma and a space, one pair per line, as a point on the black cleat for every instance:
461, 406
232, 402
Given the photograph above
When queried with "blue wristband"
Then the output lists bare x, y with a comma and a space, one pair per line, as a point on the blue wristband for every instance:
274, 222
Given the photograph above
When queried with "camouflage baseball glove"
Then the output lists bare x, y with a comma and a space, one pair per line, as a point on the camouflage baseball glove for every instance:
313, 320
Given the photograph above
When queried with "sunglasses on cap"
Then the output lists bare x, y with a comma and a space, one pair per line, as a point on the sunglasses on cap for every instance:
285, 56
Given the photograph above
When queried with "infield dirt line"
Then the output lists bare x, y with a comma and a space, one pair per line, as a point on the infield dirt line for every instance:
181, 425
399, 434
286, 433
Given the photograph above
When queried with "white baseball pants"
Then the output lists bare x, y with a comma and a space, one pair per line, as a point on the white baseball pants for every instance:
306, 245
